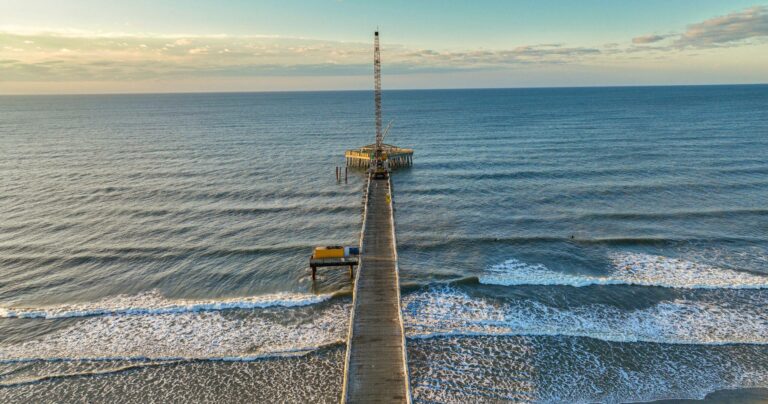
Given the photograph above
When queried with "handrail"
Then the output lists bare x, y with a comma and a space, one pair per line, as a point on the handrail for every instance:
399, 309
348, 354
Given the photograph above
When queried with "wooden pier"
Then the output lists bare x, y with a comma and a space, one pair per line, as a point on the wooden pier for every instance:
375, 369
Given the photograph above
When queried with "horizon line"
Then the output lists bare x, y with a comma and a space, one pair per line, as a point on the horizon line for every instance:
386, 90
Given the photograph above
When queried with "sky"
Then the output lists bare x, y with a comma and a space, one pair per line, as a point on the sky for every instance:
95, 46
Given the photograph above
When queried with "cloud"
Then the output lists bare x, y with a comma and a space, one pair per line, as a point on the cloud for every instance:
34, 55
734, 27
522, 55
739, 28
65, 56
646, 39
62, 57
726, 30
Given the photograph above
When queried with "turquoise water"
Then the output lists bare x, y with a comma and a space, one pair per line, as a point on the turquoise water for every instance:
556, 245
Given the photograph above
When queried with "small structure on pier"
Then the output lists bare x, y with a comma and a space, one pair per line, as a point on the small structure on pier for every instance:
396, 156
334, 256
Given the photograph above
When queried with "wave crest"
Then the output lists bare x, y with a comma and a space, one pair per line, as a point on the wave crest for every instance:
447, 311
630, 269
150, 303
188, 335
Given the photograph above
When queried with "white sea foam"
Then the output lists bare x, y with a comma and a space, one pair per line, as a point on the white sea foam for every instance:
154, 303
188, 335
448, 311
629, 269
576, 370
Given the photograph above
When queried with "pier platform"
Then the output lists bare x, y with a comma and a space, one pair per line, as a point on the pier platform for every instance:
396, 156
375, 369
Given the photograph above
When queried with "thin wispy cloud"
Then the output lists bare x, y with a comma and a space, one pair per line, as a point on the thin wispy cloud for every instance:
530, 54
53, 56
646, 39
738, 28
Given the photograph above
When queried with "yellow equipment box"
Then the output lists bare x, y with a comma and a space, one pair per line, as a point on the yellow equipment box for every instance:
328, 252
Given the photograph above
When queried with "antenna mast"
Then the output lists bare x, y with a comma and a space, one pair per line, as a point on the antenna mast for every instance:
379, 159
377, 93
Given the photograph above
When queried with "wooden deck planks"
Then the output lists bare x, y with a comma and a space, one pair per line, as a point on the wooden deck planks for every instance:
375, 370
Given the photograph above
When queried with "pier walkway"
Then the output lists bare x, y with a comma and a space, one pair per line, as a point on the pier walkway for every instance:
375, 369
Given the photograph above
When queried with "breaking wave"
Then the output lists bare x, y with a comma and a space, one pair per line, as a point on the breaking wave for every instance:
205, 335
154, 303
629, 269
448, 311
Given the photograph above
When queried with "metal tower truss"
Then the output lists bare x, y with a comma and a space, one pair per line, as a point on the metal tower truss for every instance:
377, 94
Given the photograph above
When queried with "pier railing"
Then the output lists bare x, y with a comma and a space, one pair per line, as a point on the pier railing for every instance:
399, 300
345, 382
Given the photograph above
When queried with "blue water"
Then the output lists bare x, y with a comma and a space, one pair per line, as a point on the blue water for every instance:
556, 245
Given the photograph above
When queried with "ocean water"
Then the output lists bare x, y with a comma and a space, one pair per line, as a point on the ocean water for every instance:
556, 245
